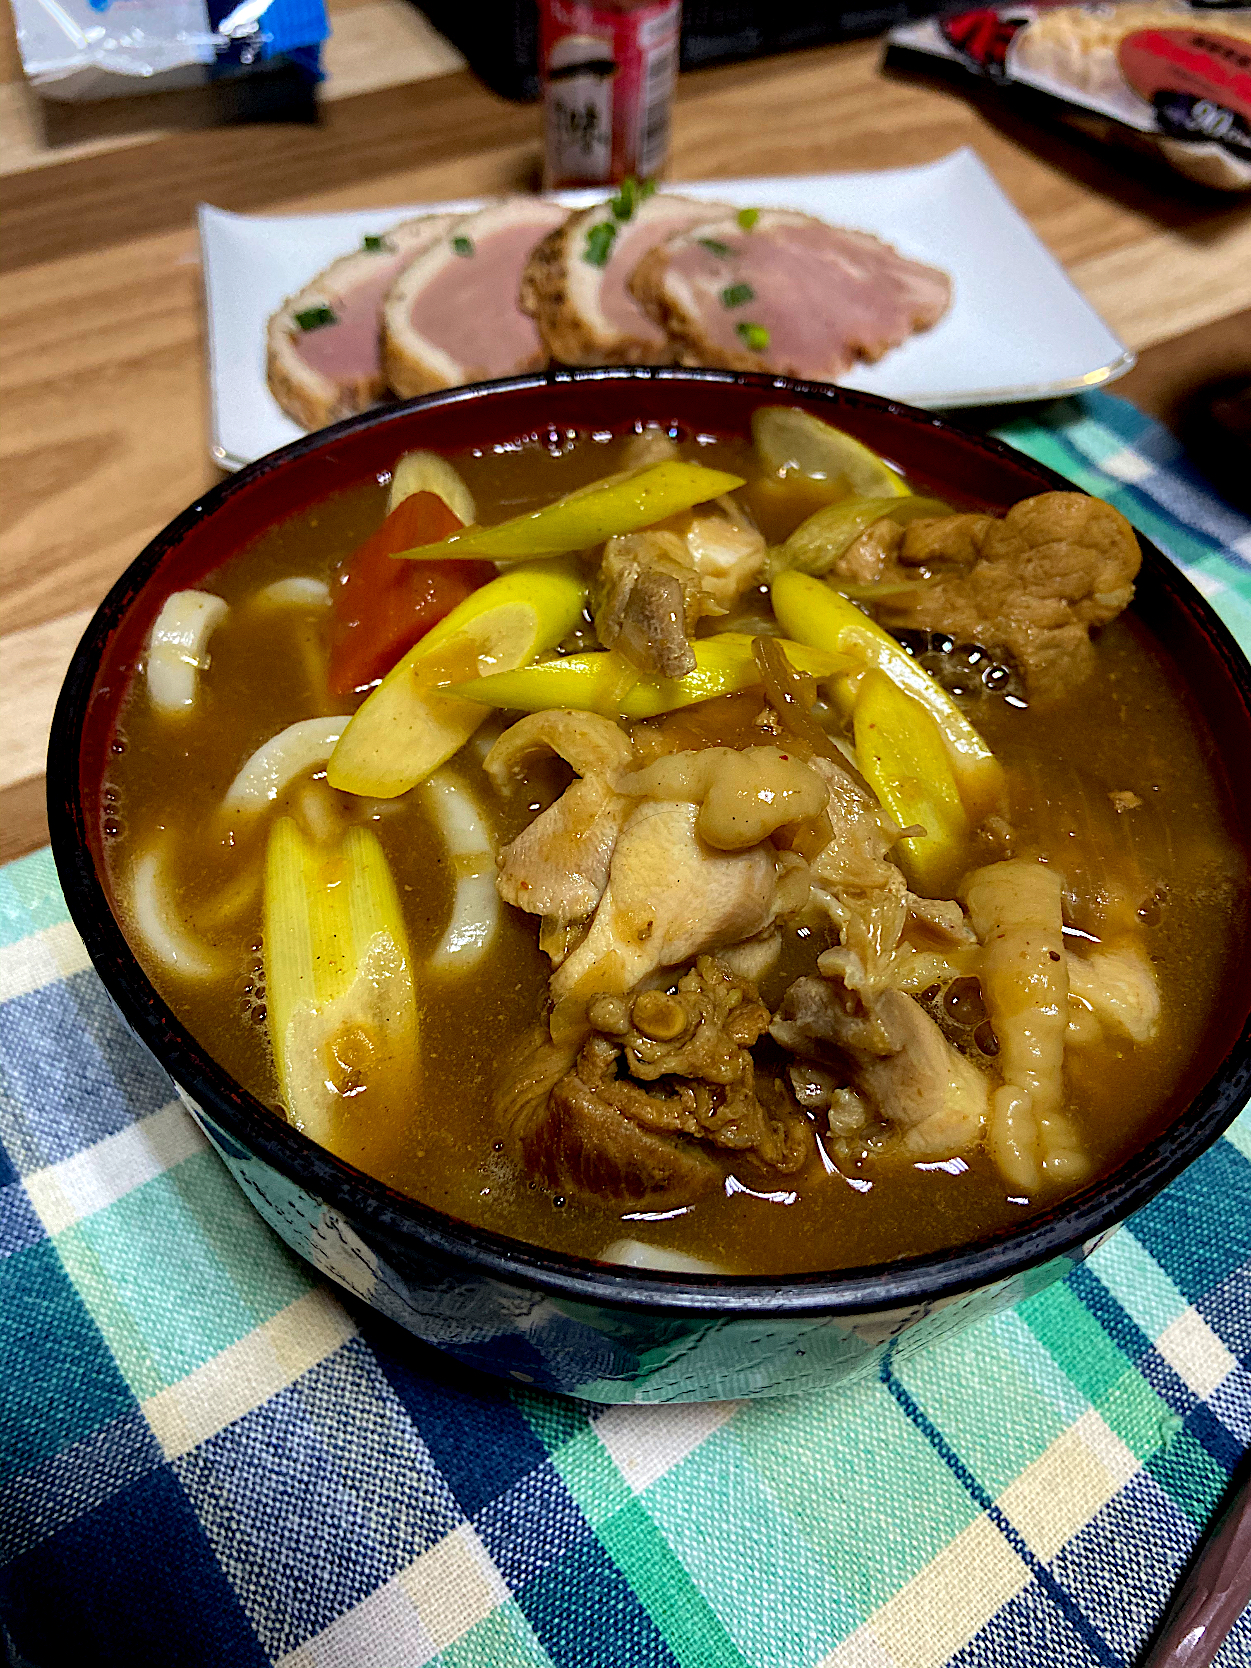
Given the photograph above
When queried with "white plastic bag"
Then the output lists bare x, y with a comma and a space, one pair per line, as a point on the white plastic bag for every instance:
74, 49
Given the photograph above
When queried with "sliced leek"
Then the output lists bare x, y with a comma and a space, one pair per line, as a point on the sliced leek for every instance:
790, 441
620, 504
342, 1011
816, 544
410, 725
608, 684
812, 612
902, 756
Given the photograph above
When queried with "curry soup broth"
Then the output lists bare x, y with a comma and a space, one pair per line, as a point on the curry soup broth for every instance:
1129, 730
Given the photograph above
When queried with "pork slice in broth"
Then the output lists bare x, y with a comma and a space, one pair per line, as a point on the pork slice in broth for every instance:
669, 897
895, 1057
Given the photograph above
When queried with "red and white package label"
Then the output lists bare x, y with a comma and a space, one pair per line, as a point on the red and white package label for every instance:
608, 78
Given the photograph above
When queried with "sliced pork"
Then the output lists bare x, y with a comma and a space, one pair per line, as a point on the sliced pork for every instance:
1031, 585
788, 294
896, 1060
324, 345
645, 600
651, 588
670, 897
557, 867
454, 316
664, 1079
576, 284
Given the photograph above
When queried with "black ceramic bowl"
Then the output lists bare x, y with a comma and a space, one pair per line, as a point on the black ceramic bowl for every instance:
606, 1333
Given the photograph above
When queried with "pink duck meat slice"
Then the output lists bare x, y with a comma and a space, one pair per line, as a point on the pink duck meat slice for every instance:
324, 345
453, 316
576, 285
790, 295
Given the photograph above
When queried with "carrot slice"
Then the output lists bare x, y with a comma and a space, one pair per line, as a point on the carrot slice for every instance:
381, 606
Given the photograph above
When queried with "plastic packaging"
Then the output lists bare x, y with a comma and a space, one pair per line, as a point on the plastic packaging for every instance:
608, 72
86, 49
1177, 75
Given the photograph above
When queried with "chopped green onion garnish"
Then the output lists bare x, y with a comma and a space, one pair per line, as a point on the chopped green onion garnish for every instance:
747, 218
737, 295
755, 335
714, 246
599, 241
312, 318
632, 192
372, 245
463, 245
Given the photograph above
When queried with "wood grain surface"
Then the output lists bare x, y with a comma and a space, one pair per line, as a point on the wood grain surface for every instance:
103, 404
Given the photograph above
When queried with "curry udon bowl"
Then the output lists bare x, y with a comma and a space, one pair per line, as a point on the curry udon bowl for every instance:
537, 1317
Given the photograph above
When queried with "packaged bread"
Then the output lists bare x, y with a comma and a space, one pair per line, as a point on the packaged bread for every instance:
1178, 74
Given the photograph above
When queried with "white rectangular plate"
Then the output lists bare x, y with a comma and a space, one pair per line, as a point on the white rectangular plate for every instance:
1016, 330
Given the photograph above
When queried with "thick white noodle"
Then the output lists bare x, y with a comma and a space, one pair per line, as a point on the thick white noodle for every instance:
156, 919
298, 591
178, 648
476, 904
278, 761
486, 736
633, 1253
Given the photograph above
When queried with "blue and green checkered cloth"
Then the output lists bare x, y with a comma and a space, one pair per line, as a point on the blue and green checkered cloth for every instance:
207, 1458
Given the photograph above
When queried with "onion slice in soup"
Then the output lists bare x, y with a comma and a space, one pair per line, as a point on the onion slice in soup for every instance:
277, 762
178, 648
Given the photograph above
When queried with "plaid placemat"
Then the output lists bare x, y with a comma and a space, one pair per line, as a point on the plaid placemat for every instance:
207, 1459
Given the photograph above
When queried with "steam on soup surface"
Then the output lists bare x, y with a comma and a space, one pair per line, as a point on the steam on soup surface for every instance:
706, 919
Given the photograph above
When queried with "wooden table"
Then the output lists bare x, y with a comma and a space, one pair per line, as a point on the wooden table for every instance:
103, 404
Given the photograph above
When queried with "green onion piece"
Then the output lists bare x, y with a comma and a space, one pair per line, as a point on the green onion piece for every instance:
618, 504
755, 335
339, 971
463, 245
372, 245
737, 295
714, 246
747, 218
599, 241
313, 318
631, 193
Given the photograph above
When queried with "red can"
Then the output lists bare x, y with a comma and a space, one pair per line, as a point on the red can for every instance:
608, 75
